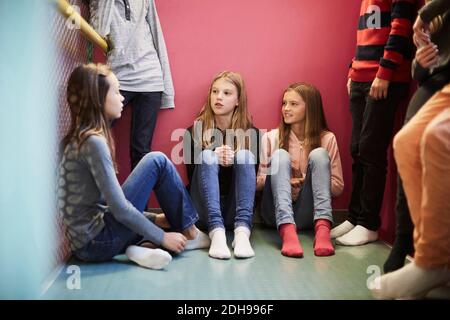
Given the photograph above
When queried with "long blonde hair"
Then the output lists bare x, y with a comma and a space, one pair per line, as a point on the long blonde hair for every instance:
315, 122
205, 123
86, 95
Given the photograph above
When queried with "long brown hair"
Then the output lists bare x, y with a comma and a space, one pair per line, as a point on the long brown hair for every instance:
86, 95
315, 122
241, 119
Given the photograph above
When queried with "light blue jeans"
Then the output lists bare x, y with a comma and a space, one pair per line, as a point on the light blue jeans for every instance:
224, 212
314, 200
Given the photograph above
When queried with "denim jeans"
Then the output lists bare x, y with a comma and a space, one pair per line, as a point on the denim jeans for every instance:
314, 199
171, 194
234, 210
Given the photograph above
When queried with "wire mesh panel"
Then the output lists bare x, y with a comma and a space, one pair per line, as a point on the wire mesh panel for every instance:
72, 50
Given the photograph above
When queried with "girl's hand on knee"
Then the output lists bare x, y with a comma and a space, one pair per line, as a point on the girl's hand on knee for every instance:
174, 241
228, 159
219, 151
225, 155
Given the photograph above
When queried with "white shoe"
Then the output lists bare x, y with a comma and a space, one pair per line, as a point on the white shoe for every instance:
341, 229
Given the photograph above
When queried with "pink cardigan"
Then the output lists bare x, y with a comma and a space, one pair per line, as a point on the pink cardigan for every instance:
299, 160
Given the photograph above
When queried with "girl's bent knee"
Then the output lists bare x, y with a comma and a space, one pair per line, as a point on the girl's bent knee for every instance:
281, 156
319, 155
155, 156
209, 157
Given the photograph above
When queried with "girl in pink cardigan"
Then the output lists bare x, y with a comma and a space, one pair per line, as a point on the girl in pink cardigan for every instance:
300, 172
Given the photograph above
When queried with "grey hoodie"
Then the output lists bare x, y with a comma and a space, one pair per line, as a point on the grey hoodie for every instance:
138, 54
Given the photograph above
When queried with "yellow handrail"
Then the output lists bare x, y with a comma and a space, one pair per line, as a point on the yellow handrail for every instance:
67, 10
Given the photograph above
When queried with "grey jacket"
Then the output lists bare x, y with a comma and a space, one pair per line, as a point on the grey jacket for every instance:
88, 188
138, 54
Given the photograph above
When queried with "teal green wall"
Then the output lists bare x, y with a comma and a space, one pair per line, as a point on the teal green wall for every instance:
27, 147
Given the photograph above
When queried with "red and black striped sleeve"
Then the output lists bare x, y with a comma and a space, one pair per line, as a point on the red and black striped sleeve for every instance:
399, 45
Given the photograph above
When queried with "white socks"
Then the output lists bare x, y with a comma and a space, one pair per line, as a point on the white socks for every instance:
219, 248
410, 281
148, 258
357, 236
241, 243
348, 234
341, 229
201, 241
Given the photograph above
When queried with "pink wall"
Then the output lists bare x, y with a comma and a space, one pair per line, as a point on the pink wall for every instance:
271, 43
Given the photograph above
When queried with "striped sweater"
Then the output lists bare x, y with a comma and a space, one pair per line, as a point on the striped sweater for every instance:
384, 41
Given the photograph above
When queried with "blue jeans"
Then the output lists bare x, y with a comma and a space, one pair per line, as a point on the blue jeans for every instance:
234, 210
314, 199
153, 172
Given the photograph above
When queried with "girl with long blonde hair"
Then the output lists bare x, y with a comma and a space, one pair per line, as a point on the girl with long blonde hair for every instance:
221, 154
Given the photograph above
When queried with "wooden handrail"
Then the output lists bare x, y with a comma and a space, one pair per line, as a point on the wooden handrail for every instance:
67, 11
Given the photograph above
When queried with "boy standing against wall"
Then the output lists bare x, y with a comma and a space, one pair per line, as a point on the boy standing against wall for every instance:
378, 80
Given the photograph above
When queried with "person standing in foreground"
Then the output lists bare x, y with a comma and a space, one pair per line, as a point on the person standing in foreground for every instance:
422, 153
431, 69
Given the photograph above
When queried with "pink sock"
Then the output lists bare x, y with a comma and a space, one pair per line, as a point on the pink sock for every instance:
291, 245
322, 241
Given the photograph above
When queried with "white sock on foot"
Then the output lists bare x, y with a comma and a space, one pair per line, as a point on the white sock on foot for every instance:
408, 282
201, 241
241, 243
341, 229
359, 235
148, 258
219, 248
